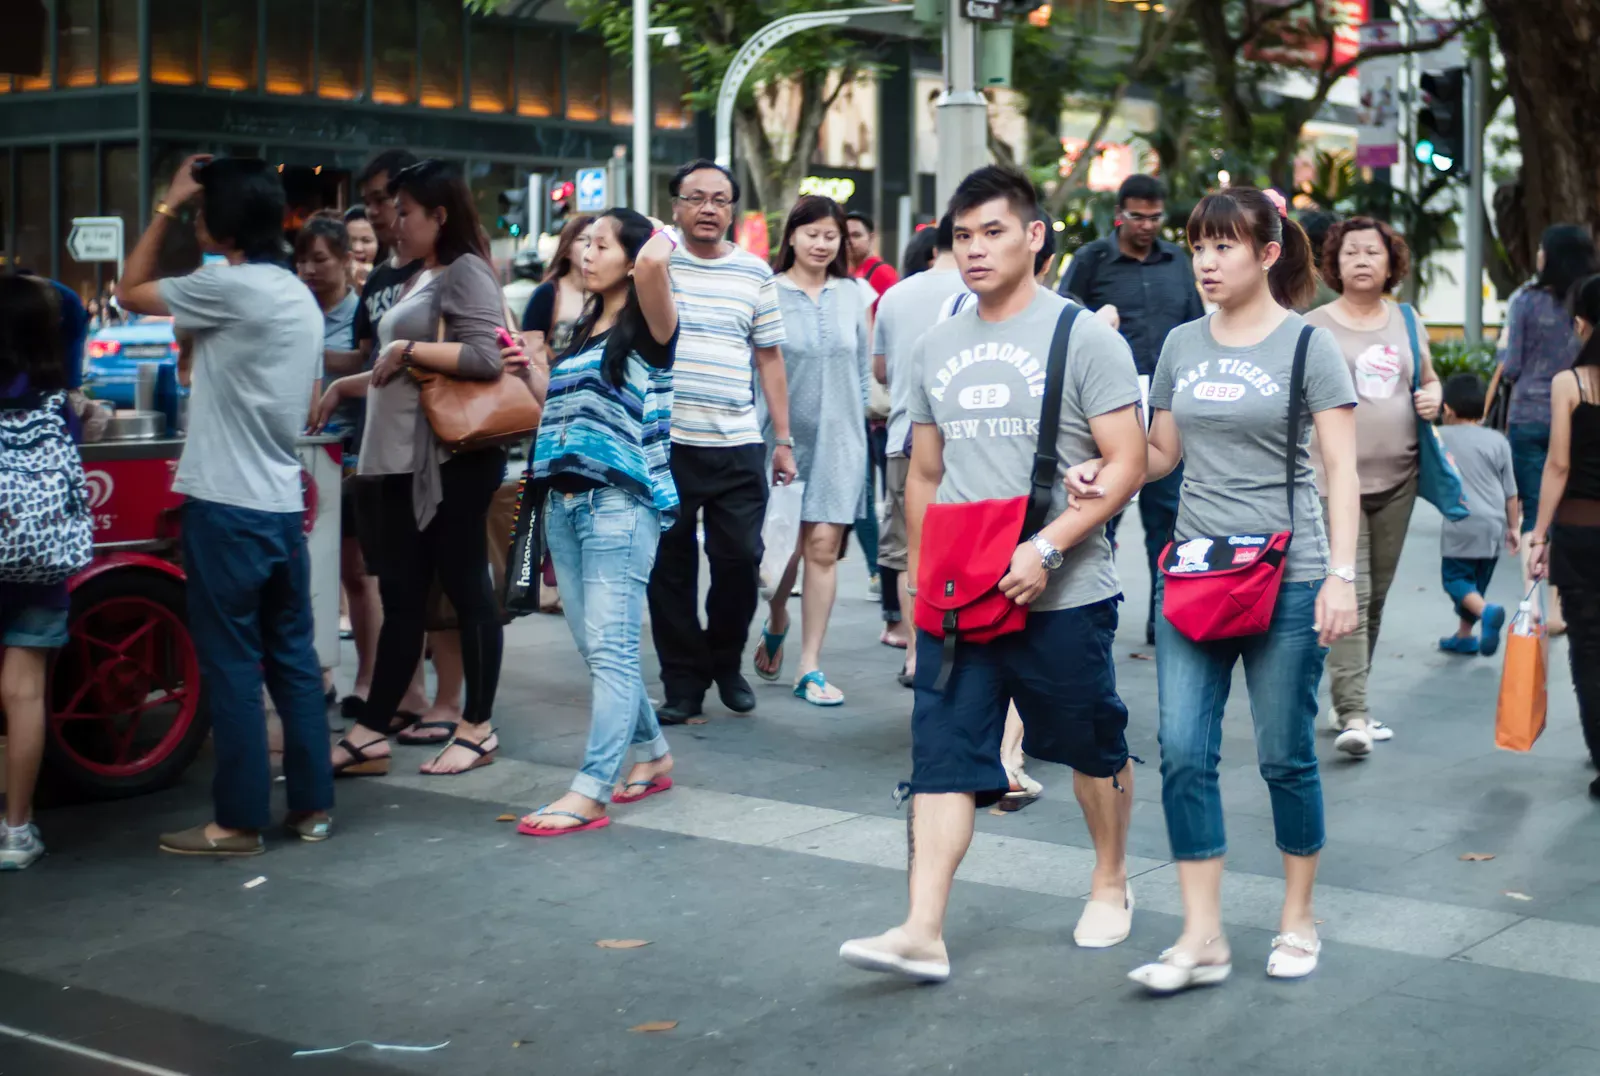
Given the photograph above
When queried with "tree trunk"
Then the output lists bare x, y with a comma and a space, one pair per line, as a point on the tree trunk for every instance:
1549, 50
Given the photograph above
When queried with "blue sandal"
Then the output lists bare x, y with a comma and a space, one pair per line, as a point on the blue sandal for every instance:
772, 644
812, 687
1455, 644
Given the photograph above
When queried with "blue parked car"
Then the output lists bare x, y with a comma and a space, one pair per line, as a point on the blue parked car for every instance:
112, 360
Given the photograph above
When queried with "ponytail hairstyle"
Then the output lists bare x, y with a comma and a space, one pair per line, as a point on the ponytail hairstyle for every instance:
1257, 218
1585, 304
633, 232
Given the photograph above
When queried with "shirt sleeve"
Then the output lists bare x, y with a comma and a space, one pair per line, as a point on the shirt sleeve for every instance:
473, 307
1328, 382
363, 328
541, 309
1077, 276
1162, 381
918, 407
883, 278
1102, 366
657, 355
199, 300
766, 328
864, 355
879, 345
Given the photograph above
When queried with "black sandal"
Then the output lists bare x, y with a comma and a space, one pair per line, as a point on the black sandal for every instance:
485, 755
408, 735
402, 719
361, 764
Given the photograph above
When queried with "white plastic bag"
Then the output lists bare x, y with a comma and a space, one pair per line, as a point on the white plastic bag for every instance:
780, 531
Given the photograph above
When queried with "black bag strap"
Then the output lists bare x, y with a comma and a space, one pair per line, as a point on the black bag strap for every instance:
1297, 398
1045, 459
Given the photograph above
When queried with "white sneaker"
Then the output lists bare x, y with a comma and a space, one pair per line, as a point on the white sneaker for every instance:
895, 953
1375, 728
1354, 742
19, 847
1103, 925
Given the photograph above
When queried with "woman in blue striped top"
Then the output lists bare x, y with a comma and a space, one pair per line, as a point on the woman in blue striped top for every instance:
603, 449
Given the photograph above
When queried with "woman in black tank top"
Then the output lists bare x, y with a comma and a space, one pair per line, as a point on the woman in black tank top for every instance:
1566, 538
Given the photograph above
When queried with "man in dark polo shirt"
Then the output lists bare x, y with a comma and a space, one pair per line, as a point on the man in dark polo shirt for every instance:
1150, 284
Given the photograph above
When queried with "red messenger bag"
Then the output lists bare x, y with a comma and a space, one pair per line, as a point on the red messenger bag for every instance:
966, 549
1226, 586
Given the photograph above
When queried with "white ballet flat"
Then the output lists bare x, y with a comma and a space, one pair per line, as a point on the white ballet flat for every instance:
1283, 964
1178, 971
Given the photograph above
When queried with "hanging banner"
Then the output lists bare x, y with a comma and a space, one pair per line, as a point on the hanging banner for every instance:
1378, 113
1294, 41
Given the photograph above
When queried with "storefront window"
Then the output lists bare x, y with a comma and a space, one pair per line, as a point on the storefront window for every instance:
119, 188
41, 81
586, 78
175, 42
79, 198
33, 210
119, 42
75, 58
621, 91
491, 69
441, 53
231, 30
667, 87
538, 73
394, 52
341, 52
290, 27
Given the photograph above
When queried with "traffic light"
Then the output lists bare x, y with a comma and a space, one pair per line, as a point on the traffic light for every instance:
514, 212
1441, 122
561, 197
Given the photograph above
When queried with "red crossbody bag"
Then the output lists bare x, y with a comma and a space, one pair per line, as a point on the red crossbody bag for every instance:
1226, 586
966, 549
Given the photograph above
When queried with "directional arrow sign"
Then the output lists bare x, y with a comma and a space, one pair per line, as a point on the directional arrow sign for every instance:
95, 239
982, 10
591, 190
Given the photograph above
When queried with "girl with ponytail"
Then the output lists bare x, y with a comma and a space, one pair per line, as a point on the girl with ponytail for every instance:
1220, 402
1565, 543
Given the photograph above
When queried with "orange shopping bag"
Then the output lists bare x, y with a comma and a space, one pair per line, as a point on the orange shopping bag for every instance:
1519, 718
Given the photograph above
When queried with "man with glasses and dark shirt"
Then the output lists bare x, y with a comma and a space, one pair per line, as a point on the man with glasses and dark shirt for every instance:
1149, 284
728, 320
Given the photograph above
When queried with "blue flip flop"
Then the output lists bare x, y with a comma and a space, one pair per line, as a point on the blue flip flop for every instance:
772, 643
815, 679
1455, 644
1494, 621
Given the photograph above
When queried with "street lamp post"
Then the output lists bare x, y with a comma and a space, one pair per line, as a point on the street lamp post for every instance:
642, 114
961, 116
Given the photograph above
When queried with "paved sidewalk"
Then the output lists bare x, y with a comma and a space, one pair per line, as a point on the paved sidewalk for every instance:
425, 920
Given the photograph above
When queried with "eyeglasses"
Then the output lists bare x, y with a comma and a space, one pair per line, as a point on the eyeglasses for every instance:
720, 201
1144, 218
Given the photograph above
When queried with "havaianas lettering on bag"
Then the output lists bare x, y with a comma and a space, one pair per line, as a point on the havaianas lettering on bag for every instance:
1225, 586
966, 549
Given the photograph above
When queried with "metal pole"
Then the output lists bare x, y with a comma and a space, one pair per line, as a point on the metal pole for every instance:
1475, 97
643, 118
962, 114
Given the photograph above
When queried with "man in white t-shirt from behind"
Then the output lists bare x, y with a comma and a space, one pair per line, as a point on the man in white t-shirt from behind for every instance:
258, 340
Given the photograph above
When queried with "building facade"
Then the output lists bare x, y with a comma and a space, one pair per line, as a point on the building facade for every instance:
131, 87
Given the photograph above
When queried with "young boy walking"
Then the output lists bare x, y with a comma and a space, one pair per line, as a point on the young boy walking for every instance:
1470, 548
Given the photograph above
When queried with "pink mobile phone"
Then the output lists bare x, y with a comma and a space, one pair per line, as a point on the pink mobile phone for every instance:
506, 339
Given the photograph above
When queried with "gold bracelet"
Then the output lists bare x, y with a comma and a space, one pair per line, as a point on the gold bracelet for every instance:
1538, 541
167, 211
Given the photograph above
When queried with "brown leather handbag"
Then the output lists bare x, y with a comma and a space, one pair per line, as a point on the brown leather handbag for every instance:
467, 414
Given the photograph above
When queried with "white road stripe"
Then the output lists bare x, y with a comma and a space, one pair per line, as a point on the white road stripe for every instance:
1352, 916
83, 1051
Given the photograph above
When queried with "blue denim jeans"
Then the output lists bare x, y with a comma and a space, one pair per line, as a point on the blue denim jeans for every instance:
249, 593
1530, 444
1282, 668
603, 543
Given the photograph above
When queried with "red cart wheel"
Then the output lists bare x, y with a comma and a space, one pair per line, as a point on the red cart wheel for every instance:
125, 714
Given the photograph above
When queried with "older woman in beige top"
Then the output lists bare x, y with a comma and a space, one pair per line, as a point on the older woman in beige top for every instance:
1362, 260
424, 509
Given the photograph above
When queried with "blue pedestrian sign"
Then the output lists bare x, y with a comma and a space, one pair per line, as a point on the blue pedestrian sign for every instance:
591, 190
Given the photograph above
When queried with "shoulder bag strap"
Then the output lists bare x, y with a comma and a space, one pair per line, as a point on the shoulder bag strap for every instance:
1045, 460
1297, 396
1410, 314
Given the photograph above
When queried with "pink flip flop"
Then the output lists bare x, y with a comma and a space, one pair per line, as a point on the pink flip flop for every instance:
537, 831
650, 789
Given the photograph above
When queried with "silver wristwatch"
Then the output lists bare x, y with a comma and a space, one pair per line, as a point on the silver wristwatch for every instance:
784, 442
1347, 574
1048, 554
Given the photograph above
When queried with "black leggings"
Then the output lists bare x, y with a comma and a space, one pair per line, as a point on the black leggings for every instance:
1575, 568
454, 549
